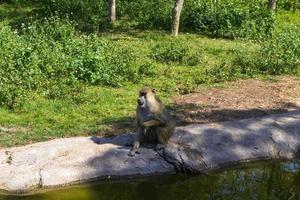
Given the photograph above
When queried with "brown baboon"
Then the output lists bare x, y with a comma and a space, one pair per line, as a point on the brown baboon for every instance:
154, 122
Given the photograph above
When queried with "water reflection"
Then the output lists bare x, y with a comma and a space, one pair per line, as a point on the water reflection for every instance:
259, 181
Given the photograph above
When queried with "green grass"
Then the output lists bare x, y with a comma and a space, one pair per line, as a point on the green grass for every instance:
46, 119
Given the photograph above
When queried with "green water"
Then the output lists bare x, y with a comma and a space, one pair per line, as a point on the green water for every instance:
255, 181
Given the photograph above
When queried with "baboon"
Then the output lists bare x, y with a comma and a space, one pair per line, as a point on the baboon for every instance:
154, 123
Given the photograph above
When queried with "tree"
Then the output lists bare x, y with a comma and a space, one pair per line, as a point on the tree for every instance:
272, 4
176, 16
112, 11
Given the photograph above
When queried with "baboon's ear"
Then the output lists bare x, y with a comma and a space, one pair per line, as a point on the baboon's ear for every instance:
154, 90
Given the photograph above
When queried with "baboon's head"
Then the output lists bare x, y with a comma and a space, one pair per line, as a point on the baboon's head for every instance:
146, 97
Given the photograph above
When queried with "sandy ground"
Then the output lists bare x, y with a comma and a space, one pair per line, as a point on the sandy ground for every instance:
238, 100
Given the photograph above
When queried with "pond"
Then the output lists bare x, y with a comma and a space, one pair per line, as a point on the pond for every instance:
278, 180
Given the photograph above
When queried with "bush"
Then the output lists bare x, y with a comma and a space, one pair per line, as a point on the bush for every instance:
222, 72
228, 19
288, 4
77, 10
151, 14
15, 76
175, 51
147, 69
49, 53
279, 55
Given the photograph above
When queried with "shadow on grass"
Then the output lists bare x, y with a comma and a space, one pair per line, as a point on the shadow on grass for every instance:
114, 126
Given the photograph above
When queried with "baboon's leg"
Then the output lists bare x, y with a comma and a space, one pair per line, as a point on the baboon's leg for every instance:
162, 137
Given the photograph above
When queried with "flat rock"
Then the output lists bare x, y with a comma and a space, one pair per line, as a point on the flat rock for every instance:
72, 160
202, 148
194, 148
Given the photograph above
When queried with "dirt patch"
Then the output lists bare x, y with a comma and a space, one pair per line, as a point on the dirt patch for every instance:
12, 129
238, 100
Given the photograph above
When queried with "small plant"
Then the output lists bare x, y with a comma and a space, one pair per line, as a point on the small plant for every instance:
278, 55
147, 69
220, 73
229, 19
175, 52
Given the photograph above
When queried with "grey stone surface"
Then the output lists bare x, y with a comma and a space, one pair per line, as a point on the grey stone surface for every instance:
201, 148
194, 148
64, 161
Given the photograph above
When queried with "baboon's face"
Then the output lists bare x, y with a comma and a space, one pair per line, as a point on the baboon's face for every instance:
146, 96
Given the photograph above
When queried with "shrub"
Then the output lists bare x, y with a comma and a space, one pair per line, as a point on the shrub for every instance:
228, 19
221, 72
175, 51
151, 14
147, 69
288, 4
77, 10
15, 76
48, 53
278, 55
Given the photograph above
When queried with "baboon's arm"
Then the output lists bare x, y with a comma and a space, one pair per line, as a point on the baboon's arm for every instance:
157, 120
152, 122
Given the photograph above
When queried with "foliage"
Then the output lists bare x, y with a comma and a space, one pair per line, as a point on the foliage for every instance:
77, 10
151, 14
15, 77
49, 52
279, 55
228, 19
288, 4
175, 51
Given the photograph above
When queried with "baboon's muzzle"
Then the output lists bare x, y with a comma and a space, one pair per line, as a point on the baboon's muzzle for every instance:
141, 101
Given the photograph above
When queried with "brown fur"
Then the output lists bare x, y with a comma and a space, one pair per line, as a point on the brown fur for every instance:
154, 122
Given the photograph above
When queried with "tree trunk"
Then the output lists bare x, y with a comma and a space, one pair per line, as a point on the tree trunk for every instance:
272, 4
112, 11
176, 17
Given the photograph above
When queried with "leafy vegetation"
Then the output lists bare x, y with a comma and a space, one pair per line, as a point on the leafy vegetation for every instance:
229, 19
175, 51
278, 55
49, 51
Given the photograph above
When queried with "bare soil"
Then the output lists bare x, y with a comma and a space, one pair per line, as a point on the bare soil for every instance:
238, 100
